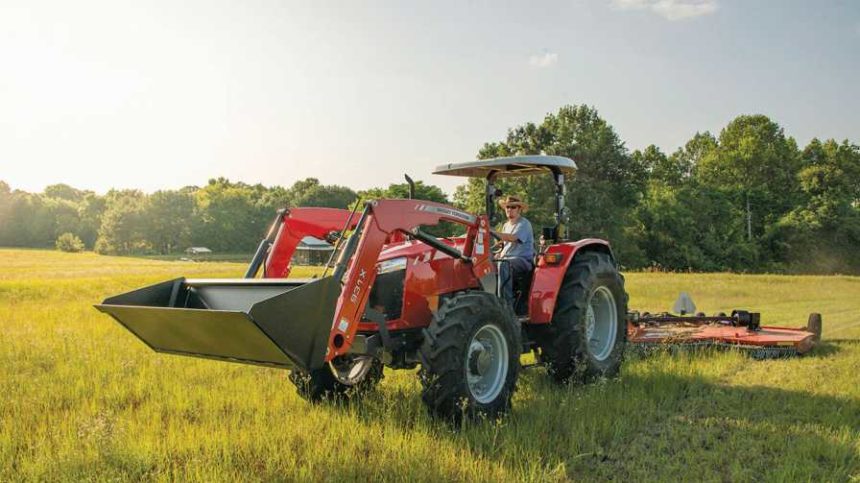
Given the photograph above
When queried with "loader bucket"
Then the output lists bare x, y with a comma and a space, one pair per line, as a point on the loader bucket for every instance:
278, 322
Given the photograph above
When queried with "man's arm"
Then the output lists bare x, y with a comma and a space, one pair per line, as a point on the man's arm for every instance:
522, 231
505, 237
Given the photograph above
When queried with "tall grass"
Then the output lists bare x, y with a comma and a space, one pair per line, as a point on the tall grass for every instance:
82, 399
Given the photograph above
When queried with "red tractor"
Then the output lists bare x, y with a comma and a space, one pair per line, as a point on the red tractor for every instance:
400, 297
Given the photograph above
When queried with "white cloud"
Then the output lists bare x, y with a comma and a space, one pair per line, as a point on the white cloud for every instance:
670, 9
546, 59
630, 4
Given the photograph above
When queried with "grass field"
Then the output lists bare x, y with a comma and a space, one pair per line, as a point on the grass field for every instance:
244, 258
82, 399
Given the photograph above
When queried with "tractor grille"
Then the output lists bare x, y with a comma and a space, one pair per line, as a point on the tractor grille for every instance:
386, 295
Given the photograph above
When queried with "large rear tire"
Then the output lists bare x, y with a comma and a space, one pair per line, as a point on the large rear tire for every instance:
588, 333
470, 358
345, 376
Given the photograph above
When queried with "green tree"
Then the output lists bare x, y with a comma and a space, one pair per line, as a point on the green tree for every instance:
26, 220
169, 219
309, 192
831, 170
5, 213
230, 219
69, 242
123, 227
423, 191
671, 170
685, 220
65, 214
758, 164
692, 227
691, 154
90, 211
822, 234
275, 198
64, 192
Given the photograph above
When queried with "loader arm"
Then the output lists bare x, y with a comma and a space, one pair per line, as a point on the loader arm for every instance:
297, 224
380, 222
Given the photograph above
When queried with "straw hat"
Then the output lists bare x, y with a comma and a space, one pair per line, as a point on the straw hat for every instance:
514, 201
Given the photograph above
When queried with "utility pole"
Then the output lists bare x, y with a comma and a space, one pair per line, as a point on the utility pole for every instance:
749, 219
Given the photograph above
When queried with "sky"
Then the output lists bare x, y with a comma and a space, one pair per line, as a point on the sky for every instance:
164, 94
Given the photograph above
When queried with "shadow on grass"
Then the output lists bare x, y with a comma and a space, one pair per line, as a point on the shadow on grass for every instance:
842, 341
827, 348
653, 424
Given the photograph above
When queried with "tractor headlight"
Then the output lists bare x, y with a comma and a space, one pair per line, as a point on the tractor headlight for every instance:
392, 265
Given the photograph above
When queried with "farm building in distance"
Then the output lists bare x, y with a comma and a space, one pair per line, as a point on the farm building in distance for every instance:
198, 251
312, 251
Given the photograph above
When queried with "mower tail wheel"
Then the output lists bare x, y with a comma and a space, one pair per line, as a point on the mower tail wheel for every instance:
814, 325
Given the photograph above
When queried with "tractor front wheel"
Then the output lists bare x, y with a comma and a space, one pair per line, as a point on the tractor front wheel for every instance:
343, 376
587, 335
470, 358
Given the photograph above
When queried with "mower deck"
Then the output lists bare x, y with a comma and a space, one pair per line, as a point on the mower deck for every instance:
723, 331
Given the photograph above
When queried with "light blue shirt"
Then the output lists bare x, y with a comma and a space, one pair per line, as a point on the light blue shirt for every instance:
525, 246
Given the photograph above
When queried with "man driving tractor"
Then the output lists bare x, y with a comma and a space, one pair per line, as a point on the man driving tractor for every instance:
518, 249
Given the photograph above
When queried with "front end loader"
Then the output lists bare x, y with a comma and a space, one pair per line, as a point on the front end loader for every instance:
334, 332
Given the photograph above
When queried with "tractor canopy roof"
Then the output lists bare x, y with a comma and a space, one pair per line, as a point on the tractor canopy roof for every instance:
508, 166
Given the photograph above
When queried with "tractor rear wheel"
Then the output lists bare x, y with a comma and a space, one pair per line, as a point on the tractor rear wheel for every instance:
470, 358
588, 332
344, 376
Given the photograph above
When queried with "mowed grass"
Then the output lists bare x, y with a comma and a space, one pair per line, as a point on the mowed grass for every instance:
83, 399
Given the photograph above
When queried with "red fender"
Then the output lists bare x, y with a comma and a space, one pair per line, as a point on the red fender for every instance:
547, 278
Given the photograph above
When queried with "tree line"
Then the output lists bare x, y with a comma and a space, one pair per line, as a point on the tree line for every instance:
748, 199
224, 216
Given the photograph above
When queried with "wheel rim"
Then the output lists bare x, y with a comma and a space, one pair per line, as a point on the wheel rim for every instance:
600, 323
487, 363
351, 370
